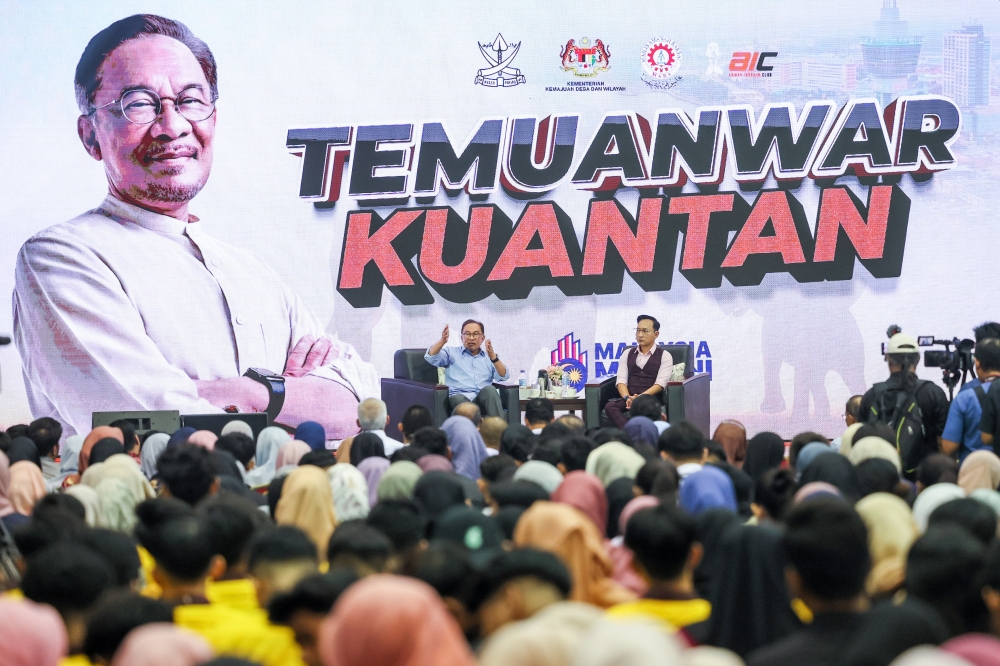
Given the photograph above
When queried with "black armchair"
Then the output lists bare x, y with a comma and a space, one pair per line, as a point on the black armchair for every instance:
415, 382
689, 399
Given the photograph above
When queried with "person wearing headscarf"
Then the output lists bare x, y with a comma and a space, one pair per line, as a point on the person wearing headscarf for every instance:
27, 486
837, 471
8, 514
733, 437
614, 460
867, 448
765, 451
373, 468
990, 498
544, 474
437, 492
434, 463
307, 503
548, 638
236, 425
69, 461
621, 556
612, 643
642, 429
386, 620
291, 453
808, 454
103, 450
620, 492
350, 493
891, 532
203, 438
90, 500
750, 603
977, 649
399, 481
162, 644
31, 634
269, 442
816, 489
366, 445
468, 449
180, 436
311, 433
93, 437
151, 450
980, 469
585, 493
23, 449
708, 488
116, 505
569, 534
343, 453
847, 439
121, 467
932, 498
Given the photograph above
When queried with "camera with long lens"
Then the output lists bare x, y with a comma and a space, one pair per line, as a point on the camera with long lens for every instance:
955, 363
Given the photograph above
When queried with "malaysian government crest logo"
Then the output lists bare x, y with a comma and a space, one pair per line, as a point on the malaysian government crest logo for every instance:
499, 55
661, 61
586, 58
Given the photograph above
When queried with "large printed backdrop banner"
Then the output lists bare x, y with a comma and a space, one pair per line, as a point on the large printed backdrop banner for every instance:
776, 183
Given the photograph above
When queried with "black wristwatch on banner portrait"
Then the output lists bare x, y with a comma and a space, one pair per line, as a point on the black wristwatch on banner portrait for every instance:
275, 384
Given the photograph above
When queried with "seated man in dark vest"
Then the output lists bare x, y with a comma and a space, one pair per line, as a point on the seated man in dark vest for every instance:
645, 369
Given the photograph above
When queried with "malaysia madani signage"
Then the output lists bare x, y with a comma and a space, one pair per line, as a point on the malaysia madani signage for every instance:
466, 258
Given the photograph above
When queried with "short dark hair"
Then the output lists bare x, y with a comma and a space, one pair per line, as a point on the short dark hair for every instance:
446, 567
59, 502
187, 471
114, 616
853, 407
411, 453
548, 451
907, 361
355, 541
539, 410
118, 549
181, 546
284, 543
518, 442
646, 475
774, 491
660, 538
988, 353
482, 329
989, 329
989, 576
45, 433
976, 518
322, 458
554, 430
517, 493
493, 468
827, 543
22, 448
18, 430
104, 449
314, 594
403, 521
232, 522
800, 441
648, 406
682, 440
68, 576
656, 323
574, 453
430, 439
239, 444
942, 569
101, 45
416, 417
129, 439
877, 475
937, 468
605, 435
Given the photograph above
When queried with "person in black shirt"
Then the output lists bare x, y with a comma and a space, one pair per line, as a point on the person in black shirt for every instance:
902, 357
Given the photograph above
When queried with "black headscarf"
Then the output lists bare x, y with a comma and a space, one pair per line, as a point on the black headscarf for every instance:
104, 449
710, 527
765, 451
742, 485
22, 448
889, 630
508, 517
436, 492
619, 494
225, 465
750, 603
274, 493
837, 471
517, 493
366, 445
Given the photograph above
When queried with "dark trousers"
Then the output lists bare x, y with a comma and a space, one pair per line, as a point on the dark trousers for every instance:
488, 400
615, 409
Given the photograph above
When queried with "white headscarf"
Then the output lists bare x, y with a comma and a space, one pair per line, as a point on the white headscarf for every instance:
350, 492
117, 505
932, 498
90, 500
237, 426
152, 448
269, 442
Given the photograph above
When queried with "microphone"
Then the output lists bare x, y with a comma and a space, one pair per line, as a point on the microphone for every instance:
892, 330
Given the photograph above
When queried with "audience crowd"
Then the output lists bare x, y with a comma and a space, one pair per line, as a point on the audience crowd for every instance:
479, 541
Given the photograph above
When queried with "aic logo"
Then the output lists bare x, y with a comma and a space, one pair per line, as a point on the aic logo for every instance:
753, 64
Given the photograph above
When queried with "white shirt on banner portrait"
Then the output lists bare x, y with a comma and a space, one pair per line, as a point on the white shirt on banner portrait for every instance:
124, 309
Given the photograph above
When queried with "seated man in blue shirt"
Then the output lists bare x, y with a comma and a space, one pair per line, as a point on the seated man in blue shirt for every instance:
961, 432
471, 369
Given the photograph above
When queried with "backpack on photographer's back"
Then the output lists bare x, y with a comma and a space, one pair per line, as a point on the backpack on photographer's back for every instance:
897, 407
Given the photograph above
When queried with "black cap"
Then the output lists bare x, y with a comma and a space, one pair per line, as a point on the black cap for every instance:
522, 563
480, 535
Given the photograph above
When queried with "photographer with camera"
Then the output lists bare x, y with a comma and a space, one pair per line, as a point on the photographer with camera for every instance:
915, 409
962, 431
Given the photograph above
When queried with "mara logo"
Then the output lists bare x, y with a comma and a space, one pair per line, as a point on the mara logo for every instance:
586, 58
751, 64
499, 55
661, 61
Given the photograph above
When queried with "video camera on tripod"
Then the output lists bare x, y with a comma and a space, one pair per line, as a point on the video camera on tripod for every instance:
955, 364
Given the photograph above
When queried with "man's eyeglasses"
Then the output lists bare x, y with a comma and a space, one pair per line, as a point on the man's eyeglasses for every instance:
142, 107
644, 330
472, 336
